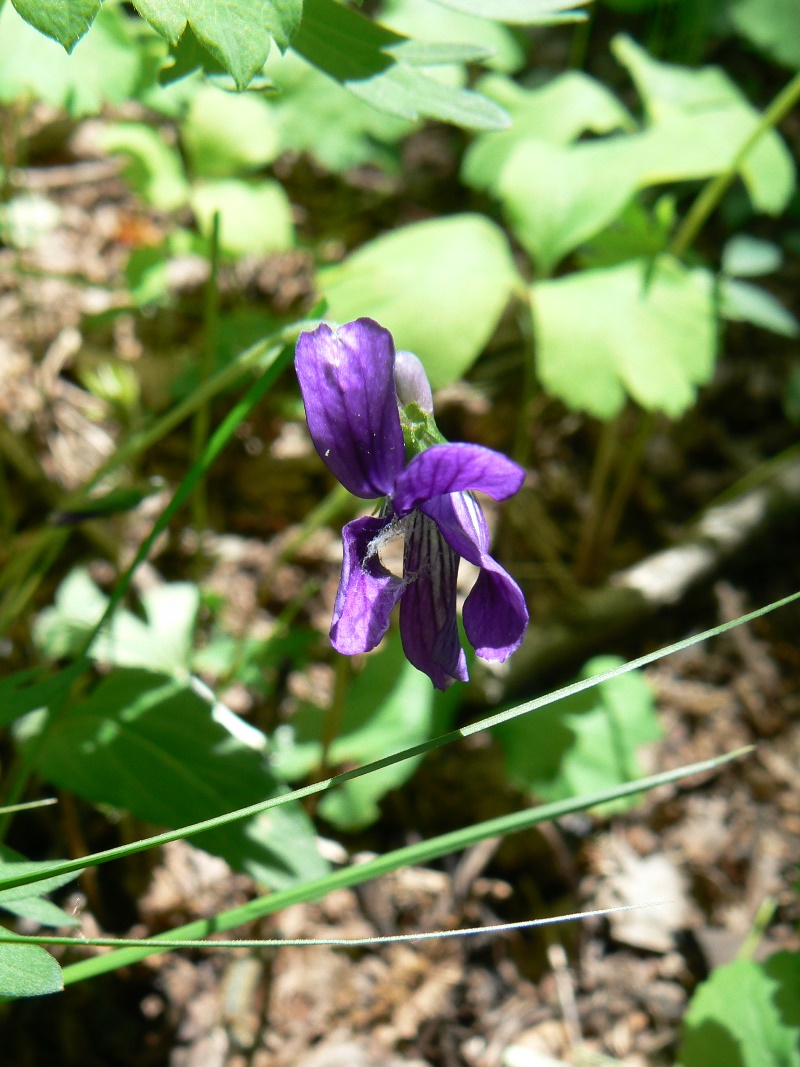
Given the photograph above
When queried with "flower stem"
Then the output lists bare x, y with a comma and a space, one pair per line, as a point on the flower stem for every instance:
711, 194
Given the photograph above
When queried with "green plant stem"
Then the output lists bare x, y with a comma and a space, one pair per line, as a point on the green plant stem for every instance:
602, 468
10, 937
411, 855
626, 480
763, 918
202, 418
711, 194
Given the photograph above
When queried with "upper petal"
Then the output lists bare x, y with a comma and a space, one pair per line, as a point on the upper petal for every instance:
428, 624
367, 591
495, 613
346, 377
455, 468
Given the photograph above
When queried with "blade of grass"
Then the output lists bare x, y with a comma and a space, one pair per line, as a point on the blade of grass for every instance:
411, 855
387, 761
304, 942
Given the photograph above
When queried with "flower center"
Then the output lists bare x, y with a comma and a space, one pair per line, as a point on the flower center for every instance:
389, 545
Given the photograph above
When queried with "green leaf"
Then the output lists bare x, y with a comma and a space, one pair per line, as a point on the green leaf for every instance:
558, 112
773, 26
66, 21
524, 12
318, 116
103, 68
390, 706
153, 746
27, 901
439, 286
744, 302
363, 56
746, 1015
555, 197
423, 21
225, 135
643, 329
237, 32
27, 971
586, 742
255, 218
162, 641
27, 690
748, 257
154, 168
698, 120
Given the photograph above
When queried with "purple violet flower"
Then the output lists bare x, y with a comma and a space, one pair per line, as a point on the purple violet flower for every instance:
369, 412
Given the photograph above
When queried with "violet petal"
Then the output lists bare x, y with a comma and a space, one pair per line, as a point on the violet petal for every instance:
346, 377
495, 614
367, 591
428, 609
455, 468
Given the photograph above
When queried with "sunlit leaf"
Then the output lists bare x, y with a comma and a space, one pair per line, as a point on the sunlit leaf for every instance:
771, 25
154, 168
525, 12
586, 742
365, 57
27, 971
255, 217
225, 134
698, 121
556, 197
236, 32
104, 66
558, 112
746, 1014
646, 330
423, 20
745, 302
28, 902
748, 257
390, 706
153, 746
65, 21
439, 286
319, 116
160, 641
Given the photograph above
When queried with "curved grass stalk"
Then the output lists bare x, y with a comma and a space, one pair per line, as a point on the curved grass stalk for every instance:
307, 942
411, 855
488, 723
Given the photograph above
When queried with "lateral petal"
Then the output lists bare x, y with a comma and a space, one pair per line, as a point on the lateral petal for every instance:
346, 376
428, 609
367, 591
444, 469
495, 613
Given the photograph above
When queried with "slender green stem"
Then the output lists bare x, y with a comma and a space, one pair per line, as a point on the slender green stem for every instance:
48, 870
202, 418
764, 916
411, 855
12, 938
626, 480
711, 194
602, 469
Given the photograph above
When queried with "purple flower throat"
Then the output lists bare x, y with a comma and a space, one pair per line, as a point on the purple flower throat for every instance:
370, 415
